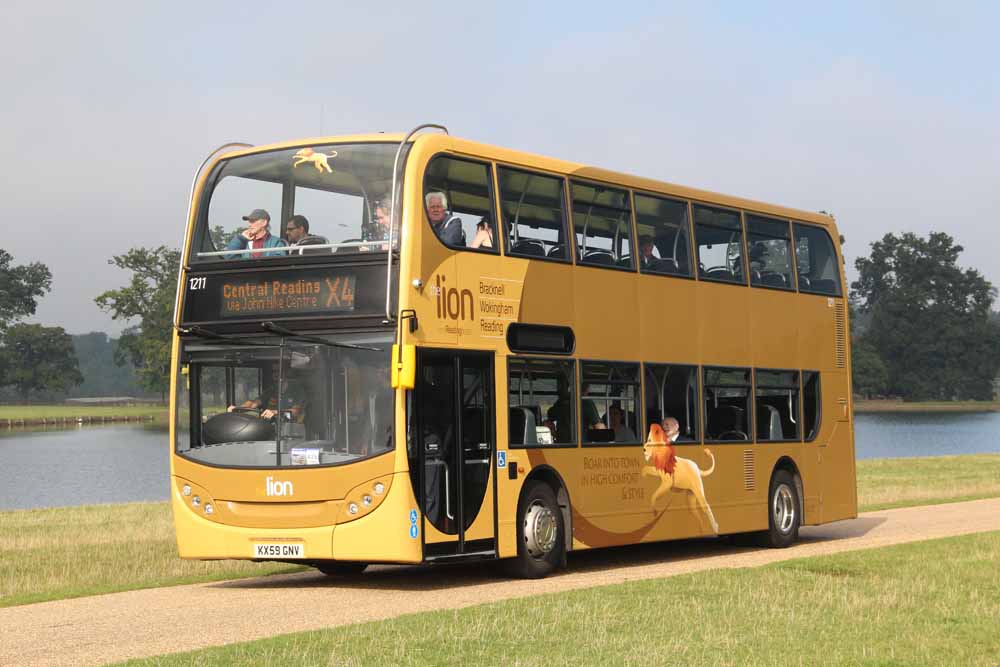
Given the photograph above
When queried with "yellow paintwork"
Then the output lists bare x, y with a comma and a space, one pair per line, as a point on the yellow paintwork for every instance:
615, 315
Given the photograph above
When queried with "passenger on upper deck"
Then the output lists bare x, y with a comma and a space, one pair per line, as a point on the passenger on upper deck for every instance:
448, 228
297, 233
484, 235
646, 251
378, 229
256, 236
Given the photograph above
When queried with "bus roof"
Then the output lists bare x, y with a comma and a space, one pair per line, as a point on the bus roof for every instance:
458, 145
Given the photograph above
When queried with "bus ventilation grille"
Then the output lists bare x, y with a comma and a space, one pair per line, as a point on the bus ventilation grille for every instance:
841, 334
749, 478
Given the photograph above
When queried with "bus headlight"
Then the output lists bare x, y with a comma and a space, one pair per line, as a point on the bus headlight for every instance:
186, 490
196, 501
364, 498
208, 508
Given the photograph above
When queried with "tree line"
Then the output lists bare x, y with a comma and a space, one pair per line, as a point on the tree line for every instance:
922, 327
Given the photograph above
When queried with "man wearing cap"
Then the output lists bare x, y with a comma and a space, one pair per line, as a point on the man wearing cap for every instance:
256, 237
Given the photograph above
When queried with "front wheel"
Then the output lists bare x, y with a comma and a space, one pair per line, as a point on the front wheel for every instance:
540, 533
340, 568
783, 513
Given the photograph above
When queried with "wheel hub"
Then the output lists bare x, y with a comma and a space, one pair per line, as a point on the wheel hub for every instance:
540, 530
783, 509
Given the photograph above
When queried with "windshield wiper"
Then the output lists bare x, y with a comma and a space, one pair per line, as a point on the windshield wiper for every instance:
288, 333
202, 332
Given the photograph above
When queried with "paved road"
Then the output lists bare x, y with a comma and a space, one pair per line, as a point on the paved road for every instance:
107, 628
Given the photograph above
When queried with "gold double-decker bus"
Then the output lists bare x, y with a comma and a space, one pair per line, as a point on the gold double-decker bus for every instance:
405, 349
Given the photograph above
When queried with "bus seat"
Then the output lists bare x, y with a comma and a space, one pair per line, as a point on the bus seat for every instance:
350, 248
599, 257
528, 247
804, 281
558, 250
302, 248
521, 423
718, 273
773, 279
667, 265
824, 285
625, 262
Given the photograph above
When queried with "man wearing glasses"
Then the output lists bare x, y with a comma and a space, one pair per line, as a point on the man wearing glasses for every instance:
297, 233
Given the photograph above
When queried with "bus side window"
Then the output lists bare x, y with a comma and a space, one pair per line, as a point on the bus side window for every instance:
719, 240
816, 260
609, 405
458, 202
776, 406
662, 225
672, 391
541, 401
727, 404
811, 404
770, 249
534, 222
602, 225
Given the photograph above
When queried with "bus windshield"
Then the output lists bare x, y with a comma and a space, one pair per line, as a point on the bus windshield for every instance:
284, 403
315, 200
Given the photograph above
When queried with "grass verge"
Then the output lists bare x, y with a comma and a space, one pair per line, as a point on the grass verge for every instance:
61, 411
68, 552
922, 603
926, 406
889, 483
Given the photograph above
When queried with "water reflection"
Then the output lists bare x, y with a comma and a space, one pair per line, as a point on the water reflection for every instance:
50, 466
83, 465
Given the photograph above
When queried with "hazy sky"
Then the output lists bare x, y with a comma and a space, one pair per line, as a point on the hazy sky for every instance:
886, 116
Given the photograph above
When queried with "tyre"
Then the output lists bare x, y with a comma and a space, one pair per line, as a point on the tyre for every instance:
540, 533
783, 512
340, 568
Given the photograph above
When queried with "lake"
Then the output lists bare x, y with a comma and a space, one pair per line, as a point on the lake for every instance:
117, 464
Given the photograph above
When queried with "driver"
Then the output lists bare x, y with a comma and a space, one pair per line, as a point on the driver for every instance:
292, 399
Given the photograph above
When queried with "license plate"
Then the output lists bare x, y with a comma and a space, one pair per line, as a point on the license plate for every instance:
278, 550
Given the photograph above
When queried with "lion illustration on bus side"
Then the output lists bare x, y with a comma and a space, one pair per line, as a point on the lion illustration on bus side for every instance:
677, 475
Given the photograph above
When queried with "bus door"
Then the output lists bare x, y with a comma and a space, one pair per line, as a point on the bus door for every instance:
455, 436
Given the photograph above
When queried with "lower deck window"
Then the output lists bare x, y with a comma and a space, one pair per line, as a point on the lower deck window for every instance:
727, 404
608, 402
777, 405
542, 396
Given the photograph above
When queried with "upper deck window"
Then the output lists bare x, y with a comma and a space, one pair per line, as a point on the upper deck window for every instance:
719, 236
602, 222
458, 200
533, 214
770, 248
338, 195
816, 261
662, 225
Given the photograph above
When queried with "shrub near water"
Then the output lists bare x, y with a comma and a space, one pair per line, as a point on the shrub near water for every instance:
73, 551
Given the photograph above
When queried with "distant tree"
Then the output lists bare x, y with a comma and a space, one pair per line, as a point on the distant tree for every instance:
20, 288
929, 318
869, 375
221, 237
101, 375
148, 302
39, 358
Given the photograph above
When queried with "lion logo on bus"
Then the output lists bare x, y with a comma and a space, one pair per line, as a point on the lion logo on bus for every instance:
318, 160
677, 475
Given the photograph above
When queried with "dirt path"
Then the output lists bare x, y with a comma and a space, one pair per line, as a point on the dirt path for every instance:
106, 628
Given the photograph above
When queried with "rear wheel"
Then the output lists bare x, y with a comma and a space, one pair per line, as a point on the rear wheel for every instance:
540, 533
783, 513
339, 568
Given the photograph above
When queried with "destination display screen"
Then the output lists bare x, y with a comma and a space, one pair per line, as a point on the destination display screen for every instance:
280, 296
262, 295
